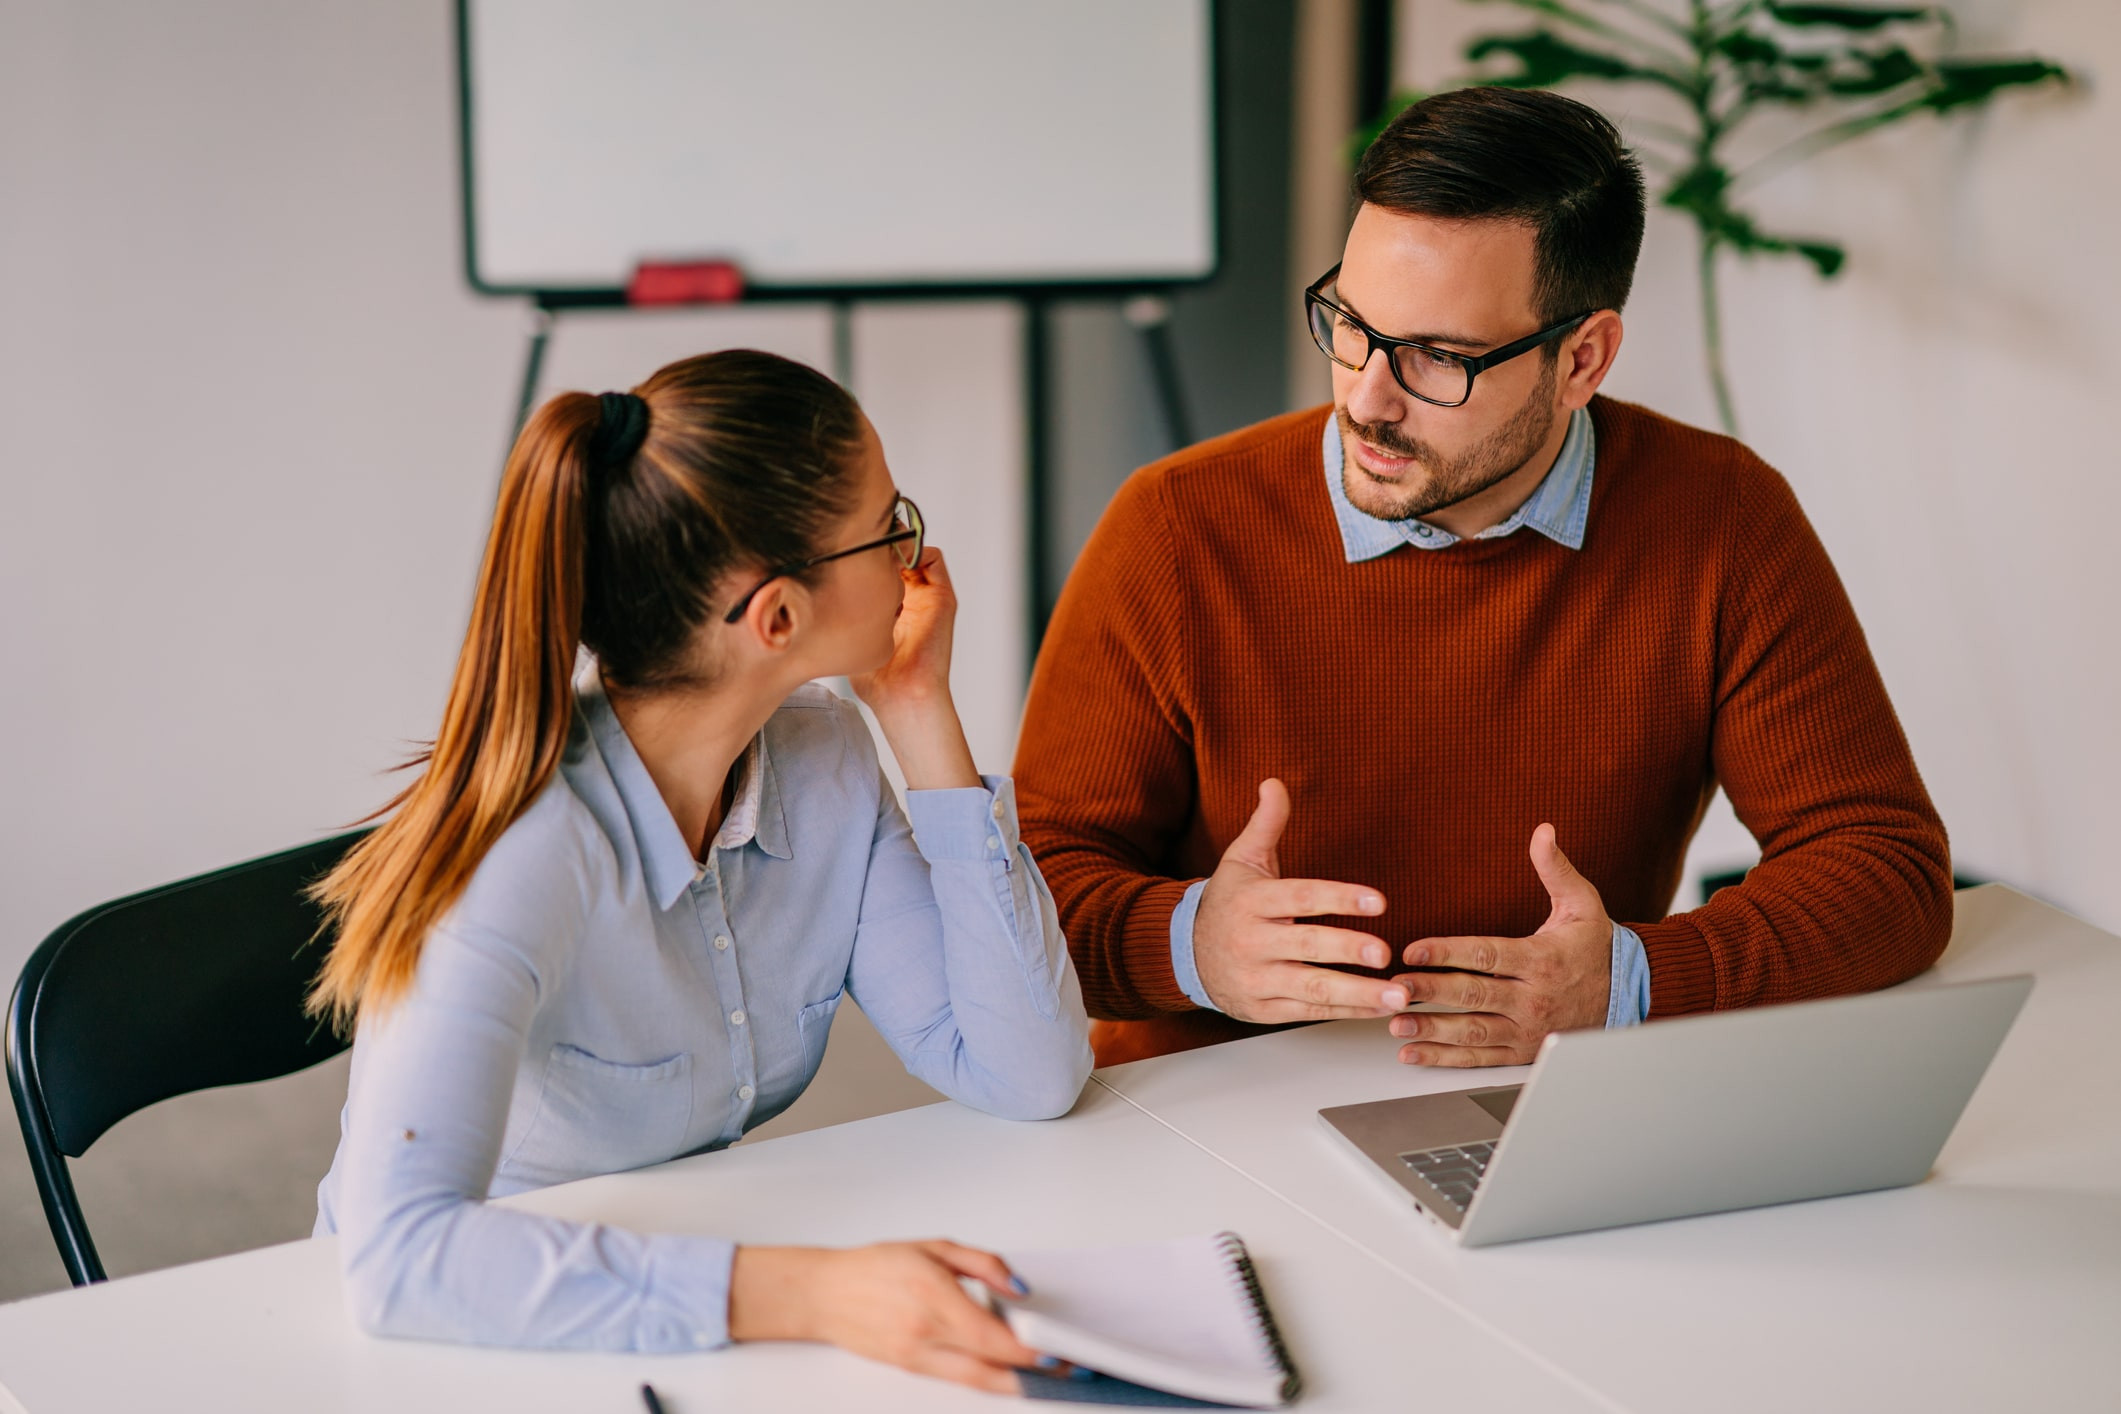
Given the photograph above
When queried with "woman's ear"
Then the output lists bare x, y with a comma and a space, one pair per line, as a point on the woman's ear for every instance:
777, 615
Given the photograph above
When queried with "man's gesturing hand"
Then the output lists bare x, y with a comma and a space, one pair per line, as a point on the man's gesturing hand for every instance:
1514, 990
1256, 961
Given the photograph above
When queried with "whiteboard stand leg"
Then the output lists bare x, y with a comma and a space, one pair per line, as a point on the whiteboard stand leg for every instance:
533, 361
1037, 475
1151, 315
843, 343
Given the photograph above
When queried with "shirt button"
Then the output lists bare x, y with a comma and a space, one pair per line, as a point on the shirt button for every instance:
736, 1018
997, 810
1423, 532
721, 942
993, 844
745, 1092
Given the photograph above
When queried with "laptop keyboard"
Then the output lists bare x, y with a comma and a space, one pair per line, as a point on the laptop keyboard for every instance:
1454, 1172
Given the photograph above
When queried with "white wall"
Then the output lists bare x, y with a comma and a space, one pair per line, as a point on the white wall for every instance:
253, 421
1945, 412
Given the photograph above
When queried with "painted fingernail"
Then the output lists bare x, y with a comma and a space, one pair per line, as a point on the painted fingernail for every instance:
1016, 1284
1047, 1362
1082, 1375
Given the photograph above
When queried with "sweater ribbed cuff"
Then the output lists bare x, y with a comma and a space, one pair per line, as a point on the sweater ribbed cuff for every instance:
1146, 947
1682, 967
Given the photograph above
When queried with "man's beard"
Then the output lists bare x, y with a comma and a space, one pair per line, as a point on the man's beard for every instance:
1449, 480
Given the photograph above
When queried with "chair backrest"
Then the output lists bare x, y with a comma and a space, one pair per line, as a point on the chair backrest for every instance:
193, 985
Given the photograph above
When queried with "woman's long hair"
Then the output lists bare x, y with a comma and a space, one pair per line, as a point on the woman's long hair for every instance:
745, 461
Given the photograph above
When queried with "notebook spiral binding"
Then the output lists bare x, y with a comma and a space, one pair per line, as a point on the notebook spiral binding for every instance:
1233, 1247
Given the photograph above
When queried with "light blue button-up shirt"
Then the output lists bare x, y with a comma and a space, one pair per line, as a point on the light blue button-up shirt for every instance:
1558, 508
599, 1000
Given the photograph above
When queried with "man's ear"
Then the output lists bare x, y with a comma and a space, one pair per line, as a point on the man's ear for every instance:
1587, 355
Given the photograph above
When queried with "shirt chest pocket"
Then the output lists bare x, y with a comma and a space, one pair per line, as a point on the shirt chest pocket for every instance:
598, 1116
816, 1023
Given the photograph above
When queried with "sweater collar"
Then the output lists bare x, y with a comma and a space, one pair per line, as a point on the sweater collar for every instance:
1558, 508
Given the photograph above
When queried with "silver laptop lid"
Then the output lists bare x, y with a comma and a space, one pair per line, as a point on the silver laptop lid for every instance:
1740, 1108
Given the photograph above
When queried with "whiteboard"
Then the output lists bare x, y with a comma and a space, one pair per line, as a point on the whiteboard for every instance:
985, 144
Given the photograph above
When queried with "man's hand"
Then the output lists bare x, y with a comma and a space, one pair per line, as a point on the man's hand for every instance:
1256, 961
1514, 990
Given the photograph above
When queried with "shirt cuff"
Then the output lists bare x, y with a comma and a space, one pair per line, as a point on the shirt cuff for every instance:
967, 824
1629, 1002
686, 1305
1182, 967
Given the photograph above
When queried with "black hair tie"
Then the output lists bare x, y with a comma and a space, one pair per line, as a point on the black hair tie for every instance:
622, 425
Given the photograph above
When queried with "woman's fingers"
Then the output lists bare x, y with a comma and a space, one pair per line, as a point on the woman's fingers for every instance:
931, 568
978, 1264
942, 1363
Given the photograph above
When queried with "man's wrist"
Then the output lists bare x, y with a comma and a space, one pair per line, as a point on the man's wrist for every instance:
1185, 967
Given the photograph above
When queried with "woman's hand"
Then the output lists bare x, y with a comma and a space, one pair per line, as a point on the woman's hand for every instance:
911, 694
919, 670
896, 1302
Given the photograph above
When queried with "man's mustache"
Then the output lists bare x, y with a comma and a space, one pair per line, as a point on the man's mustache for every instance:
1384, 438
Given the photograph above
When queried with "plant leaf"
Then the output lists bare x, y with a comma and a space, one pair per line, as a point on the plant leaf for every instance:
1859, 18
1545, 59
1967, 83
1702, 193
1872, 71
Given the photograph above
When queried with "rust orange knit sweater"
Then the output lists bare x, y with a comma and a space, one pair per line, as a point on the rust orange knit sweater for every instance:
1429, 708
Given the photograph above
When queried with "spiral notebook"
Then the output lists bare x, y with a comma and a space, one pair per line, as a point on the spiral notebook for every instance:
1180, 1323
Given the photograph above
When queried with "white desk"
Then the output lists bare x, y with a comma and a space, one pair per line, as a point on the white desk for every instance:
1994, 1286
264, 1332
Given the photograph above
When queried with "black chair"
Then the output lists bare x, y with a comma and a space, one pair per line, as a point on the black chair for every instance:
192, 985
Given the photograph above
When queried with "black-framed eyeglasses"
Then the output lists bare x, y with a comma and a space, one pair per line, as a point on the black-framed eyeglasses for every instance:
1434, 375
907, 529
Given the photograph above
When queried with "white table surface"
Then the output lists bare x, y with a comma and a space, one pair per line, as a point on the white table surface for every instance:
265, 1331
1995, 1285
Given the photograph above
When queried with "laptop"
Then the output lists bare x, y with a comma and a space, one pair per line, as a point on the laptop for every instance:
1700, 1114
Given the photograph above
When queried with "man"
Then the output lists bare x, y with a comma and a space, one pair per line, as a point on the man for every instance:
1469, 618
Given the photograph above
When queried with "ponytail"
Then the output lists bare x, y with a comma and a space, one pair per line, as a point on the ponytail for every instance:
503, 731
620, 519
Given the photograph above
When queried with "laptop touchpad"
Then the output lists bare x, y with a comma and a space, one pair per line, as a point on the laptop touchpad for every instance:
1497, 1101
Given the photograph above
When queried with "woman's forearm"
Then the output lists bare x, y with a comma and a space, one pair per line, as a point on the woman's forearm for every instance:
929, 742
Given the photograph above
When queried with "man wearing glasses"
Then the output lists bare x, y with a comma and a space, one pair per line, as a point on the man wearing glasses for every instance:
1326, 699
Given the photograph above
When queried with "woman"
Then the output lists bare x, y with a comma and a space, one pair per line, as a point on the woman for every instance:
610, 922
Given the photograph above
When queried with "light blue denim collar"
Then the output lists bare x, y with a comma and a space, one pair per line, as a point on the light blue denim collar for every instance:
756, 815
1558, 507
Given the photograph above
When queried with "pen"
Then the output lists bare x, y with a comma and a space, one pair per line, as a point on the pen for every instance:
655, 1406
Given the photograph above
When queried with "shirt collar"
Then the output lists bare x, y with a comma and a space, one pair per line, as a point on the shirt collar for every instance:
1558, 508
756, 815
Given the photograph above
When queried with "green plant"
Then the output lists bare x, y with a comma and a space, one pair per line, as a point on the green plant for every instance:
1729, 62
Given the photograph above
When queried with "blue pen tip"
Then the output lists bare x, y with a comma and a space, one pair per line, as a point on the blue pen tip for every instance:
1016, 1284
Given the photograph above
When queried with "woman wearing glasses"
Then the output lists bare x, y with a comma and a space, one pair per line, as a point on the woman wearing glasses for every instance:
611, 920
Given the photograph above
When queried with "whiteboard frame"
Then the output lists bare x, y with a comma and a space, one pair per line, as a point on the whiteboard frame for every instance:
570, 297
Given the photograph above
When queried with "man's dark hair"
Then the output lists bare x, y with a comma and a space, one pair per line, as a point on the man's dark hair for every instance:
1504, 154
